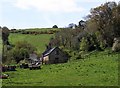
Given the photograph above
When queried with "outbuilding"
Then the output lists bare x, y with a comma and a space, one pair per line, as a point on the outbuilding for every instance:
53, 56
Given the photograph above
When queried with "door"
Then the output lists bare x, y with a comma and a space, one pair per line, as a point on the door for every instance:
56, 60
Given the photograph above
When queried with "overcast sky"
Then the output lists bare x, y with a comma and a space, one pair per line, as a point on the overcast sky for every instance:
44, 13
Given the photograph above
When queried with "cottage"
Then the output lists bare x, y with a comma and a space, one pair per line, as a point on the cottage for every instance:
53, 56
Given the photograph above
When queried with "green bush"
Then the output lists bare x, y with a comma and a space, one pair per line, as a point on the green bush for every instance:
84, 44
100, 41
21, 51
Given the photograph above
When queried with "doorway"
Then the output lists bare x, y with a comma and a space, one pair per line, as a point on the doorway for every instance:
56, 60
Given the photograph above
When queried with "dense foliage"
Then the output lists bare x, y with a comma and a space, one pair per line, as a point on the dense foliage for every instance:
21, 51
107, 19
97, 32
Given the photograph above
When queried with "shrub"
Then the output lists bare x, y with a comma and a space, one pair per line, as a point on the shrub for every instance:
55, 26
21, 51
84, 44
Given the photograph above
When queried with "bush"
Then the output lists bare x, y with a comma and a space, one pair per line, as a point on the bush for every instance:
55, 26
21, 51
84, 44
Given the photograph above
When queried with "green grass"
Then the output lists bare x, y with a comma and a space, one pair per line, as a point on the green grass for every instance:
38, 41
98, 69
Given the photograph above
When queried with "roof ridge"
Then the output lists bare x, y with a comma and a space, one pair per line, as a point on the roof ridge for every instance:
47, 52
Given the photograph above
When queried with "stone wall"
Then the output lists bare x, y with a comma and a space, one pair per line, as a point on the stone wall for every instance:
116, 45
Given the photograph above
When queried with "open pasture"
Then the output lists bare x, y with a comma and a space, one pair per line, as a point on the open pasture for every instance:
98, 69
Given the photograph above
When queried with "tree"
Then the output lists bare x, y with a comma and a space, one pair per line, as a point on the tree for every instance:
5, 34
103, 17
84, 44
116, 20
82, 24
5, 42
55, 26
72, 25
22, 50
66, 38
20, 54
99, 31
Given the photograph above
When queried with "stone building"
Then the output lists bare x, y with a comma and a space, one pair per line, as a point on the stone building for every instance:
53, 56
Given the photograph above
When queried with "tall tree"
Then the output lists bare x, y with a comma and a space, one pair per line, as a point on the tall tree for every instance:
5, 34
103, 18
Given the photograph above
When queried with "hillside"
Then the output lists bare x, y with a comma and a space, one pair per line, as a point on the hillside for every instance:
38, 41
91, 46
98, 69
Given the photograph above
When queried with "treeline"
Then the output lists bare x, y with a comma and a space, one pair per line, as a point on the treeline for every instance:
33, 32
102, 25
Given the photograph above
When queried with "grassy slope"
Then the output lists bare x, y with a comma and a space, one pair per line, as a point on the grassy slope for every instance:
99, 69
38, 41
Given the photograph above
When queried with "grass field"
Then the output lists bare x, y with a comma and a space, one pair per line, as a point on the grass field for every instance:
38, 41
98, 69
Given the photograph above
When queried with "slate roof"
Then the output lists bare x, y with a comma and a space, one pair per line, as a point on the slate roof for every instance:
48, 51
